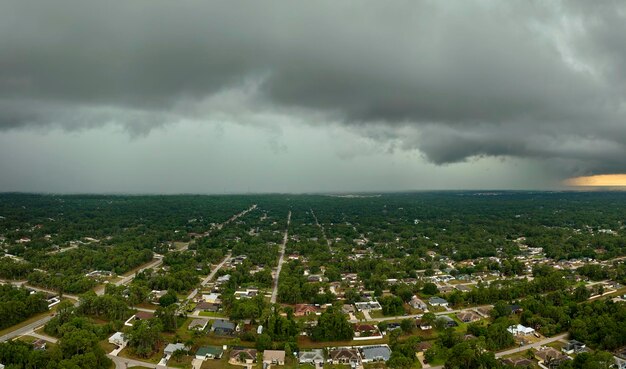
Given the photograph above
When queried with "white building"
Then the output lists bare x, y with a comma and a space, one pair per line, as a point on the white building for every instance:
117, 339
520, 330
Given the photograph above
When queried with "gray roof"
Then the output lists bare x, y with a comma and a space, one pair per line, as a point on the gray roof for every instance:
197, 323
170, 348
376, 352
437, 300
224, 325
316, 355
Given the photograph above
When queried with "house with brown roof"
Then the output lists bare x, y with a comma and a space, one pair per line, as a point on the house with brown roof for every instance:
140, 315
467, 316
306, 309
242, 355
366, 332
344, 355
550, 355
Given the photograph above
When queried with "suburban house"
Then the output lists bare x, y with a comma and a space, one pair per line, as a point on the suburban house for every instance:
274, 357
520, 330
207, 306
344, 355
141, 315
209, 352
221, 326
198, 324
306, 309
573, 347
118, 339
449, 322
365, 330
348, 309
172, 347
467, 316
375, 353
423, 325
369, 305
315, 356
211, 298
437, 301
416, 303
246, 294
242, 355
549, 354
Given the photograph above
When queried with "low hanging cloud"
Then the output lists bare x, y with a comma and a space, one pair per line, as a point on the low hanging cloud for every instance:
454, 80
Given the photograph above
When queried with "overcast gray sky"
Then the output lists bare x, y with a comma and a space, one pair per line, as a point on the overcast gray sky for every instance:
290, 96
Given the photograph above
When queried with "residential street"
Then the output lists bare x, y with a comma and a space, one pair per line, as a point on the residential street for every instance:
280, 261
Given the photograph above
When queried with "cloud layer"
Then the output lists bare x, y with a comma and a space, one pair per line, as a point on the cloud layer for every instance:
454, 80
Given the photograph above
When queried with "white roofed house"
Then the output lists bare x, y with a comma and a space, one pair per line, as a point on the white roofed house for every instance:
118, 339
520, 330
418, 304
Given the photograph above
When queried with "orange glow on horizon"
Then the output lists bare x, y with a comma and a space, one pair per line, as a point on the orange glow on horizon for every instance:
602, 180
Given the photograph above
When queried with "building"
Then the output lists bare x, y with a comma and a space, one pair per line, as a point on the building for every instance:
423, 325
437, 301
315, 356
369, 305
574, 347
118, 339
209, 352
418, 304
141, 315
548, 354
171, 347
306, 309
467, 316
274, 357
209, 307
375, 353
198, 324
449, 322
211, 298
344, 355
221, 326
520, 330
242, 355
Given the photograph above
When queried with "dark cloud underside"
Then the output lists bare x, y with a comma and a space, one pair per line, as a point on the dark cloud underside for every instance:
529, 79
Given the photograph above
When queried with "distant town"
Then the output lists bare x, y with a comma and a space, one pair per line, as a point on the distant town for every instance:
399, 280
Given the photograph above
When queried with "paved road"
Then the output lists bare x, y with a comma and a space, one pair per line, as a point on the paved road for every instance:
25, 329
321, 227
209, 277
544, 341
123, 363
522, 348
419, 315
280, 260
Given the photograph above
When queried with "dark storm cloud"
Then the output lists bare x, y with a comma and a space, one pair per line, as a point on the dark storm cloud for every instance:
541, 80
